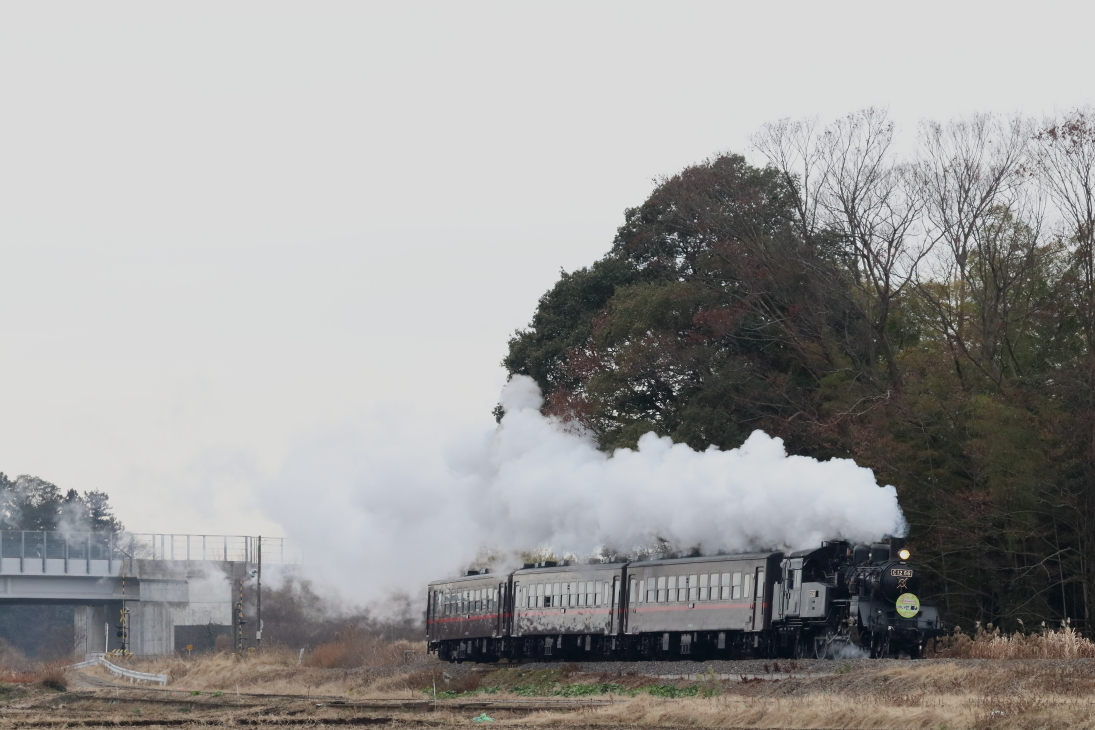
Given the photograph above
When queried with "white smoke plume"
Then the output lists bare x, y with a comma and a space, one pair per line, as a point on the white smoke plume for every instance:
400, 516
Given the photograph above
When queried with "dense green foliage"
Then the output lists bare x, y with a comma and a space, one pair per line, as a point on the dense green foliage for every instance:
928, 318
31, 503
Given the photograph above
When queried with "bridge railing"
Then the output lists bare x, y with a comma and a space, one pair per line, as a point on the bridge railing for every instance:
27, 544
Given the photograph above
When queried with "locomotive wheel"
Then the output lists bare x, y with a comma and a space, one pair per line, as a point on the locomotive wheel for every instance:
800, 648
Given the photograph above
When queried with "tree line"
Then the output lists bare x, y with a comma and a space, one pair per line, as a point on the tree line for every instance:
929, 313
32, 503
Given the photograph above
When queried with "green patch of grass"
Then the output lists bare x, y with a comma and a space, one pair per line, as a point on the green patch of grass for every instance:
217, 694
195, 693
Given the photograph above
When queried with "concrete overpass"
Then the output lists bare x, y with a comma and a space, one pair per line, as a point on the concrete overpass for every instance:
179, 589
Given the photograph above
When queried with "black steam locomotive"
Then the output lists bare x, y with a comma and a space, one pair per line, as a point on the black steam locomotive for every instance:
836, 600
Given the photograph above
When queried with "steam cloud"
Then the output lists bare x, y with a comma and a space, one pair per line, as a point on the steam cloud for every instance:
387, 516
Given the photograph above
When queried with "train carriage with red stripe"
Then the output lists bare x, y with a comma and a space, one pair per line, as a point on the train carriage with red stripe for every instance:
469, 617
701, 606
569, 610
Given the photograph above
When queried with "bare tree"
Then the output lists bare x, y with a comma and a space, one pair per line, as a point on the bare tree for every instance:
867, 200
1065, 154
854, 199
791, 147
1065, 162
986, 224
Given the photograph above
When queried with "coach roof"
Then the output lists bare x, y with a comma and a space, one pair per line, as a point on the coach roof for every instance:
706, 559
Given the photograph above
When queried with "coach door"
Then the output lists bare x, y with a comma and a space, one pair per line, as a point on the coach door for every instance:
500, 610
614, 612
760, 600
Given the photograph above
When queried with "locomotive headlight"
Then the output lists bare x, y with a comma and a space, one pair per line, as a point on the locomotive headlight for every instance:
903, 554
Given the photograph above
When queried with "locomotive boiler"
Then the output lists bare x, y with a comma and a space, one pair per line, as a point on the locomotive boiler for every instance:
835, 600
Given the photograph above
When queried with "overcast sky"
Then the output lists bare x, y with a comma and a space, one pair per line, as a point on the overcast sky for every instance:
227, 229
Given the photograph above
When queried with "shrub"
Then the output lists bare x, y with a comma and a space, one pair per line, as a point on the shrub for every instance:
990, 643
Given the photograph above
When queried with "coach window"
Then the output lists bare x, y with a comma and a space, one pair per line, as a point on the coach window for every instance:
703, 587
737, 585
760, 584
747, 585
726, 586
693, 588
661, 589
539, 595
572, 594
599, 593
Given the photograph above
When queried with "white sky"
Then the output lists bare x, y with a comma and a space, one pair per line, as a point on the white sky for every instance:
229, 228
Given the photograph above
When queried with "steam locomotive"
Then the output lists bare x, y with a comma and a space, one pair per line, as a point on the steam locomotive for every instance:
836, 600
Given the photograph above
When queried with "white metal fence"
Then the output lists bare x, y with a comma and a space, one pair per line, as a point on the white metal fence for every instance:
26, 544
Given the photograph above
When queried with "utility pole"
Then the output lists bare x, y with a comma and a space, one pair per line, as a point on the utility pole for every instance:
239, 620
258, 601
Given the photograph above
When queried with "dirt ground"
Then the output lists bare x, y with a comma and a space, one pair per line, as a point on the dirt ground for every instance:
270, 690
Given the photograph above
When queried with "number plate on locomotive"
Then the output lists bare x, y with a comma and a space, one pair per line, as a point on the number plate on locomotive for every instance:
901, 572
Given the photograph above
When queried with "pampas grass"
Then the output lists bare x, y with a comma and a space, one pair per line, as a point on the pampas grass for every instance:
991, 643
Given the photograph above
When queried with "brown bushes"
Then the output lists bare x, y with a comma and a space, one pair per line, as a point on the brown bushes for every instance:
53, 676
356, 648
991, 643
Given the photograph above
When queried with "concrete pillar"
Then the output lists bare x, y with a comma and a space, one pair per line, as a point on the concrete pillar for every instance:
81, 616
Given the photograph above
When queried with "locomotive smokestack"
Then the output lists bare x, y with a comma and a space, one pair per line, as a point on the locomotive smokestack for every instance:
896, 545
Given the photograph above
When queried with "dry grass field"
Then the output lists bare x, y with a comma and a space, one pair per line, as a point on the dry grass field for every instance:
988, 680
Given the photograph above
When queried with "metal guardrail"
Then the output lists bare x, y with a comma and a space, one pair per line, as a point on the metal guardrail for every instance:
31, 545
100, 660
